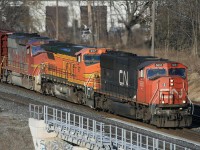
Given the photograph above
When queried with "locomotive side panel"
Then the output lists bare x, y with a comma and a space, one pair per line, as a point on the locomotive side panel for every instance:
119, 73
3, 48
17, 52
3, 44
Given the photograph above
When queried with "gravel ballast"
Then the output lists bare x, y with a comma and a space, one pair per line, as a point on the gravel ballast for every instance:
14, 130
22, 111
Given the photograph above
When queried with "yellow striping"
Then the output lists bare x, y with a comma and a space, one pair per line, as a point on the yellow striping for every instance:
80, 82
34, 66
88, 75
76, 81
91, 75
38, 65
65, 57
83, 83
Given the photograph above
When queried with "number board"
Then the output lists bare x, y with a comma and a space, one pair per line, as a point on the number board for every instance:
158, 65
174, 65
93, 51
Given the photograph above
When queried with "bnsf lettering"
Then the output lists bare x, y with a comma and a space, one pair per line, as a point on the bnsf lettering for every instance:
123, 78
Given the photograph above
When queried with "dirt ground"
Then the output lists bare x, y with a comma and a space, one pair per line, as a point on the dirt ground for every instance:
194, 87
14, 132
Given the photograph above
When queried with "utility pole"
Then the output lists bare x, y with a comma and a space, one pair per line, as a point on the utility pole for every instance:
57, 21
153, 30
90, 20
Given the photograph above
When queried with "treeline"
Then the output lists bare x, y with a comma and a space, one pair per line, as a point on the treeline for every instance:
178, 25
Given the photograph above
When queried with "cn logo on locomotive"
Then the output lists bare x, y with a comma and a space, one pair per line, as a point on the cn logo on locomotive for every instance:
123, 78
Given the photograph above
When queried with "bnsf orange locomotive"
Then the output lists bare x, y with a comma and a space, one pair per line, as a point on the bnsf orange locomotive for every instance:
139, 87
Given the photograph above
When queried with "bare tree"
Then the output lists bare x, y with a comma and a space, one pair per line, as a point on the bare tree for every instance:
178, 25
134, 14
15, 15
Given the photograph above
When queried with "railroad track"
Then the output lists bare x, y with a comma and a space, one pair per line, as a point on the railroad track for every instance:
196, 119
24, 97
196, 114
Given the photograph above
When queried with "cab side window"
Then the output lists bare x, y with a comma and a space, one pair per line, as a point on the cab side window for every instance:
79, 58
141, 73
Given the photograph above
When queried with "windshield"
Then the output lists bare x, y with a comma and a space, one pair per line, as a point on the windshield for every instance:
36, 50
152, 73
177, 71
91, 59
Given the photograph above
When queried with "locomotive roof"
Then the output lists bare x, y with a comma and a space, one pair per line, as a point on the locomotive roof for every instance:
147, 63
126, 54
63, 48
5, 32
23, 38
38, 39
119, 53
23, 35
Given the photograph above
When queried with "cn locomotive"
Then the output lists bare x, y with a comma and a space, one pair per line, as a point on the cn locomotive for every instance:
139, 87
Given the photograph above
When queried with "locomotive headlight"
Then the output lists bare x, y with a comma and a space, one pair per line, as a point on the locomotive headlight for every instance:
163, 102
171, 82
184, 101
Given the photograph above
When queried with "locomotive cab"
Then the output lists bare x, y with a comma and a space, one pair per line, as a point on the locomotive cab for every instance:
163, 86
89, 67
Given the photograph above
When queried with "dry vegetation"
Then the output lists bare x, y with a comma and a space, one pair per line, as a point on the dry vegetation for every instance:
14, 133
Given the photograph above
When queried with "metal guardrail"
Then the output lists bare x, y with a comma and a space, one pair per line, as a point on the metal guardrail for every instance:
96, 135
36, 111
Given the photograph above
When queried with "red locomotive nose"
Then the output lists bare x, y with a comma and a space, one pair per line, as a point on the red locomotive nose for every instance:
172, 90
166, 94
178, 89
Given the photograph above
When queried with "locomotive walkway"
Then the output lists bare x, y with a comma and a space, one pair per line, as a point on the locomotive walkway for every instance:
92, 134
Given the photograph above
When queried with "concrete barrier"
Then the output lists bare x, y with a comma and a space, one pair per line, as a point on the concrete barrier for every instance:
39, 133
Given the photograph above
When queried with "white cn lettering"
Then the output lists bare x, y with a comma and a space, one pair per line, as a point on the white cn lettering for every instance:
123, 78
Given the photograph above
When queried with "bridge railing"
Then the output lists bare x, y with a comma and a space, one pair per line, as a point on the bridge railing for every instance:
97, 133
36, 111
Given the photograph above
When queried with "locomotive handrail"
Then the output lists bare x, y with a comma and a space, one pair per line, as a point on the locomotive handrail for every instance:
86, 83
150, 103
35, 69
154, 95
1, 65
192, 105
189, 100
2, 60
15, 64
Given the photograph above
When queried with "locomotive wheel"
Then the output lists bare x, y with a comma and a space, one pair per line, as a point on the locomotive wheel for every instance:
8, 79
79, 98
52, 90
102, 104
45, 89
97, 105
